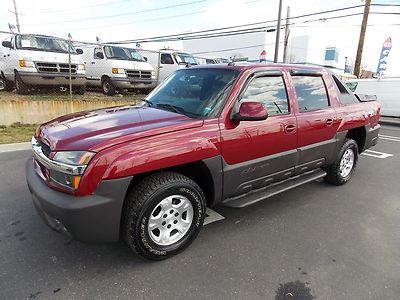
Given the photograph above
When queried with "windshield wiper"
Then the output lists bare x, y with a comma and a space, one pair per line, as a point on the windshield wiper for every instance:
148, 102
176, 109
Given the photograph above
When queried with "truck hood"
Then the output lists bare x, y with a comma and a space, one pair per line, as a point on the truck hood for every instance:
43, 56
99, 129
131, 65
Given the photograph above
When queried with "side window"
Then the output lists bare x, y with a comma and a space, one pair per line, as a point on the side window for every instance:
98, 50
270, 91
352, 85
345, 96
311, 93
166, 59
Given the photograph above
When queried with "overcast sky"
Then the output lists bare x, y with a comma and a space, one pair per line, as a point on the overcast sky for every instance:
113, 20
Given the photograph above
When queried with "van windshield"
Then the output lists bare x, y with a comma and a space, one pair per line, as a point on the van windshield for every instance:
114, 52
196, 93
185, 58
43, 43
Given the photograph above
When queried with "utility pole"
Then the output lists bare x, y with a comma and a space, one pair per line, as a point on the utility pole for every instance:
287, 32
278, 29
16, 16
362, 37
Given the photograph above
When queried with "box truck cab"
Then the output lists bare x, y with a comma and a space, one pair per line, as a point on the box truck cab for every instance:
387, 91
116, 68
31, 61
167, 61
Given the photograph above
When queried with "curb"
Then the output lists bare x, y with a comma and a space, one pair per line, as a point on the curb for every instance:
389, 121
15, 147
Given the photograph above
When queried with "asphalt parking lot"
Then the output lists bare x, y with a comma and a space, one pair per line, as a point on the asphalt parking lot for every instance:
315, 241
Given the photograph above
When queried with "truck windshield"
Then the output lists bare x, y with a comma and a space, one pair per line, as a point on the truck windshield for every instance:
122, 53
196, 93
43, 43
185, 58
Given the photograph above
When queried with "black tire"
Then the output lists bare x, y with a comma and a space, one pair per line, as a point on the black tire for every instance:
20, 86
145, 197
80, 89
8, 85
107, 87
334, 175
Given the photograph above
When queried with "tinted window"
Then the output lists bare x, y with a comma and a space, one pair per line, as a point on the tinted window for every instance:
166, 59
97, 50
311, 93
345, 96
352, 85
271, 92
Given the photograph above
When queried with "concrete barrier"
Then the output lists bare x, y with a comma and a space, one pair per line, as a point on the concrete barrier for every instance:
36, 112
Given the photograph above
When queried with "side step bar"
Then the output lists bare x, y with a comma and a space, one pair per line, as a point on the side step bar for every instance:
273, 189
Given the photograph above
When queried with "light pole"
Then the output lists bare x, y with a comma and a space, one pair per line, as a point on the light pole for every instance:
278, 29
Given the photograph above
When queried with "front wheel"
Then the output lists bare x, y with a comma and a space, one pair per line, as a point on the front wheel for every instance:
342, 169
107, 87
162, 215
20, 86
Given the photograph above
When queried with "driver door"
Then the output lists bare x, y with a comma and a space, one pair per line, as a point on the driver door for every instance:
257, 153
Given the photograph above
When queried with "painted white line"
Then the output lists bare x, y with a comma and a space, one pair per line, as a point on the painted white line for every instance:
15, 147
212, 216
376, 154
389, 138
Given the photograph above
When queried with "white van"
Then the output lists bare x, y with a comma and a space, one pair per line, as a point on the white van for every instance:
387, 91
115, 68
167, 61
31, 61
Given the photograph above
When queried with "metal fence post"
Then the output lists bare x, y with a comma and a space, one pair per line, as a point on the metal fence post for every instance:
69, 70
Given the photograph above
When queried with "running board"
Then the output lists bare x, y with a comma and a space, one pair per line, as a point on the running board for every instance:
273, 189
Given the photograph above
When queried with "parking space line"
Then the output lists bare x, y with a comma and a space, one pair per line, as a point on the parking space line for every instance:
212, 216
389, 138
376, 154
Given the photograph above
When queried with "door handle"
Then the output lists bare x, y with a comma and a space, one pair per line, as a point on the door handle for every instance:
290, 128
329, 121
93, 62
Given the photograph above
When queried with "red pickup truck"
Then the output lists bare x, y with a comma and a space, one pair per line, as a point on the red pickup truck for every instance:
222, 134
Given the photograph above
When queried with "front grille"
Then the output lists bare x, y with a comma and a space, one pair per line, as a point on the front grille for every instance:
44, 67
138, 74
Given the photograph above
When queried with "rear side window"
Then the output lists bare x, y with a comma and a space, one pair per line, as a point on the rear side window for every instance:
345, 96
352, 85
97, 50
270, 91
166, 59
311, 93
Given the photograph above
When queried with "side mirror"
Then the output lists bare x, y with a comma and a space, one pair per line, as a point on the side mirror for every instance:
79, 51
7, 44
250, 111
100, 55
144, 58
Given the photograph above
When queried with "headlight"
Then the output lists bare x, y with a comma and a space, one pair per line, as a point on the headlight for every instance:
153, 74
118, 71
81, 67
75, 158
26, 64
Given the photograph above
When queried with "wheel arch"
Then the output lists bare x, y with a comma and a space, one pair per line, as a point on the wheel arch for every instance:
359, 135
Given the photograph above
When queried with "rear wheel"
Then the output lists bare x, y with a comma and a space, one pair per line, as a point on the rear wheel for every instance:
342, 169
162, 215
20, 86
107, 87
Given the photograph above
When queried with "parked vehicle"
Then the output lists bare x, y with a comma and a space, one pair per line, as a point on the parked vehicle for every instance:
116, 68
386, 89
220, 134
168, 61
33, 61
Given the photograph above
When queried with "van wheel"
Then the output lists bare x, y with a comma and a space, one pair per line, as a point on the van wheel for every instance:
108, 87
80, 89
343, 168
162, 215
20, 86
8, 85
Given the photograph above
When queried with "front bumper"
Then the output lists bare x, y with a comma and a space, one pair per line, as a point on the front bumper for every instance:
93, 219
36, 78
127, 83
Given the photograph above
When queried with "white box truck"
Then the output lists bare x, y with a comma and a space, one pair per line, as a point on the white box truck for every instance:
116, 68
31, 61
387, 91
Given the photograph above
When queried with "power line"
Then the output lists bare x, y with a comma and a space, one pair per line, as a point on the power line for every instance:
120, 15
232, 49
52, 10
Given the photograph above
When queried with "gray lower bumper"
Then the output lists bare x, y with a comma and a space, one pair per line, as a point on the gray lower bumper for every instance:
125, 83
52, 79
93, 219
371, 138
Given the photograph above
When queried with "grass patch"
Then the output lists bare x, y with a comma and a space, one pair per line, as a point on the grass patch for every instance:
16, 133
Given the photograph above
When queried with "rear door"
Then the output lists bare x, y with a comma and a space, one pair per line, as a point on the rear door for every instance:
317, 122
257, 153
